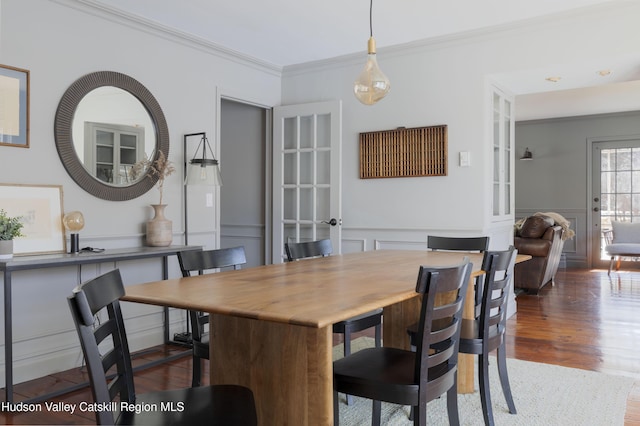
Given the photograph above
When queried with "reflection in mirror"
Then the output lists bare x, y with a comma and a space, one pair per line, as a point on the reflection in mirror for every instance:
107, 123
112, 131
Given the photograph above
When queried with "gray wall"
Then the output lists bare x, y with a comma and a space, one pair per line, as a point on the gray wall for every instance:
557, 177
58, 42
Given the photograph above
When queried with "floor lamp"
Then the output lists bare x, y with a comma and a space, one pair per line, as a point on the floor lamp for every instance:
200, 170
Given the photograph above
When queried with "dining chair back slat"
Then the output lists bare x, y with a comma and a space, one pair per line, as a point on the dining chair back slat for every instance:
307, 249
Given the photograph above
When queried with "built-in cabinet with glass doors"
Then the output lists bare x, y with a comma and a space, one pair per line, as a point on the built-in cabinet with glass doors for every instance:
503, 141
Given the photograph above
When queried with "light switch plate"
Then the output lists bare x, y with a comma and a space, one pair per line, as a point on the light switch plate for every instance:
465, 158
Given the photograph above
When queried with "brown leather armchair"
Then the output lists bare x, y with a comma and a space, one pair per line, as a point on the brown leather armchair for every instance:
540, 238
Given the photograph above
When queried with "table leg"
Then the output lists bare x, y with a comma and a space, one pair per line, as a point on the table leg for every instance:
466, 383
288, 367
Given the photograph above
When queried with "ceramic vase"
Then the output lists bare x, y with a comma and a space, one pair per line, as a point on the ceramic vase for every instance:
6, 249
159, 229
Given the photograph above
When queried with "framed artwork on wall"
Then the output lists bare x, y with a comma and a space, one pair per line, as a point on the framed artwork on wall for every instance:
40, 209
14, 106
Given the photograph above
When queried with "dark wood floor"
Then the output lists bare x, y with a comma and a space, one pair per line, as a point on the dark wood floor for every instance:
586, 320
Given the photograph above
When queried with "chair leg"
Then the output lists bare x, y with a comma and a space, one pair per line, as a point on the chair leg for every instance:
336, 409
196, 375
504, 378
610, 265
378, 335
452, 405
376, 413
485, 394
347, 352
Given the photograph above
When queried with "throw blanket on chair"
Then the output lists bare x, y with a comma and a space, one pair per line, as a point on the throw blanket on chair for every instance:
558, 220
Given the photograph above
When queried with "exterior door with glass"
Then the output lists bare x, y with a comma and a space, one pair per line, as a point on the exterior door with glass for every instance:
615, 190
307, 175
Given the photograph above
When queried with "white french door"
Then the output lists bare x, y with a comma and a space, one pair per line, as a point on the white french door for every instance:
615, 189
307, 174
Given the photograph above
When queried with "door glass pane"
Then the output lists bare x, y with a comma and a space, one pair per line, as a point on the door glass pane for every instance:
105, 138
289, 204
290, 232
324, 130
104, 154
623, 159
306, 132
507, 198
306, 204
322, 209
623, 181
619, 185
307, 169
289, 133
129, 141
289, 168
323, 168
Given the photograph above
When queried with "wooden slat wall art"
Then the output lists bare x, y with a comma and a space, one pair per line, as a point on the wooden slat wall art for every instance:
420, 151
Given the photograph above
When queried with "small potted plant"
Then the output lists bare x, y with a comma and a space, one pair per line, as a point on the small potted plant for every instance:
10, 228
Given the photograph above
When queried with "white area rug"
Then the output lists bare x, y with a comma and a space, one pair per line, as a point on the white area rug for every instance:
544, 395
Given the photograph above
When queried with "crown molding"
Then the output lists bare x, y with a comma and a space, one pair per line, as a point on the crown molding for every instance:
140, 23
536, 24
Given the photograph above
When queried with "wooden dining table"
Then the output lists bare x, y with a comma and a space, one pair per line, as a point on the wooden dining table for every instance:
271, 326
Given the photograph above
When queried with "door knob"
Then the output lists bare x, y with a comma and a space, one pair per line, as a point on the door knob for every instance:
332, 222
595, 209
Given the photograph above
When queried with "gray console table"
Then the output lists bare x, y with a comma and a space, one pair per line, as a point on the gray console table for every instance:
22, 263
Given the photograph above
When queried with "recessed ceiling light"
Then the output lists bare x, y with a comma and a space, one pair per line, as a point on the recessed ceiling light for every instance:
604, 73
553, 79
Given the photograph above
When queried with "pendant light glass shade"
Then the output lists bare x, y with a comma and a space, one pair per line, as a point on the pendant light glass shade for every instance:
204, 172
371, 85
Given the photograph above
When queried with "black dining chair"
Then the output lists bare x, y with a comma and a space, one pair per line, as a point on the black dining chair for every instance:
486, 332
468, 244
106, 352
414, 378
307, 249
198, 261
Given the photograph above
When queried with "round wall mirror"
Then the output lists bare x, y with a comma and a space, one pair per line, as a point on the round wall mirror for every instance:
107, 126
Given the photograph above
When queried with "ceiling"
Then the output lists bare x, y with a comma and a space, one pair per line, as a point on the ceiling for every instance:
288, 32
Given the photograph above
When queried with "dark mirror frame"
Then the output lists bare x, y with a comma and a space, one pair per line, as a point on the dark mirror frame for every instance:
64, 139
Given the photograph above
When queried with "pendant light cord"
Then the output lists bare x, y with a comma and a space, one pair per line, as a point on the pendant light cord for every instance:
371, 19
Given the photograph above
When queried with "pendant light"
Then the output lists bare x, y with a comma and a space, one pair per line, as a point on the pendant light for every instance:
202, 170
371, 85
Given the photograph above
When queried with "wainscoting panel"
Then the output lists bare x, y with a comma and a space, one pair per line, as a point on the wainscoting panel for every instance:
250, 236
